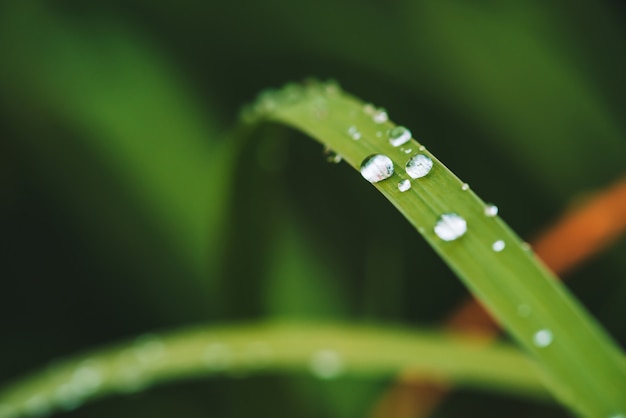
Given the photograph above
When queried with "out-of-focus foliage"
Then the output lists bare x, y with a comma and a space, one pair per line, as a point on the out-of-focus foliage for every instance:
129, 204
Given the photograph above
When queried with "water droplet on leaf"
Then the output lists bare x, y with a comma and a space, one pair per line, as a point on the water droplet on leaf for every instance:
376, 168
380, 116
491, 210
326, 364
404, 185
399, 136
450, 227
498, 246
465, 187
419, 166
354, 133
543, 338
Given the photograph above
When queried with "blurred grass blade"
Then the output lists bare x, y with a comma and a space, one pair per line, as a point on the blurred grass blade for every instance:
583, 366
325, 350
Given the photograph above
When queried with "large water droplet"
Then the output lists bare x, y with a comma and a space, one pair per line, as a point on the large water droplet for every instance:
491, 210
404, 185
498, 246
418, 166
354, 133
326, 364
450, 226
543, 338
376, 168
399, 136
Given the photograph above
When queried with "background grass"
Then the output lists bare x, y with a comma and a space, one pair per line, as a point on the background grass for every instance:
126, 207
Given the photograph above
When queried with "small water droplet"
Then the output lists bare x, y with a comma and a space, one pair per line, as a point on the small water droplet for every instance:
404, 185
399, 136
354, 133
450, 226
498, 246
526, 246
376, 168
326, 364
218, 356
465, 187
421, 230
422, 148
380, 116
418, 166
491, 210
334, 158
524, 310
543, 338
408, 151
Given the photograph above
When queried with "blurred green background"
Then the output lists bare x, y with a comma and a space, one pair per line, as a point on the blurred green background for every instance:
129, 204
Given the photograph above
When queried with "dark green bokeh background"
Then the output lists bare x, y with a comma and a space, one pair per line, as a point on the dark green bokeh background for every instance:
128, 204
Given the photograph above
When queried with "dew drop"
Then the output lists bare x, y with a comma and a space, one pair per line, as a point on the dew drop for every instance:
408, 151
404, 185
376, 168
526, 246
326, 364
491, 210
543, 338
218, 356
399, 136
450, 226
354, 133
465, 187
332, 156
380, 116
422, 148
498, 246
419, 166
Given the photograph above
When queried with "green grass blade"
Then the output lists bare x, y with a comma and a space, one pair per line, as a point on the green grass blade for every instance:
582, 364
324, 350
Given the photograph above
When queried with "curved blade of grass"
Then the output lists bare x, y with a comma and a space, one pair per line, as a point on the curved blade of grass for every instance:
582, 365
271, 346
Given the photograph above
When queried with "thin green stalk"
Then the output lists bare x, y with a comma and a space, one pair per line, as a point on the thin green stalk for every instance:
326, 351
582, 365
